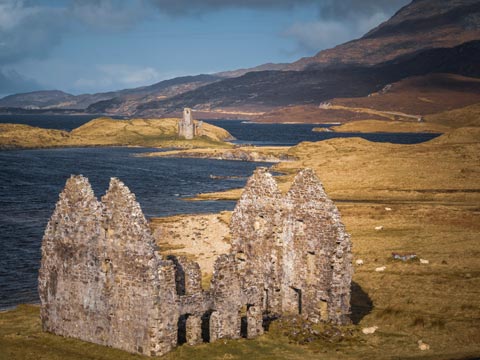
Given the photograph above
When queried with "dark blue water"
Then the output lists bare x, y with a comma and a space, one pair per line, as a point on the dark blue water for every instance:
60, 122
292, 134
30, 181
245, 132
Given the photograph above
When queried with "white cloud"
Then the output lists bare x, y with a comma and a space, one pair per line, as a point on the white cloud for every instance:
114, 76
27, 31
14, 12
30, 30
316, 35
109, 14
323, 33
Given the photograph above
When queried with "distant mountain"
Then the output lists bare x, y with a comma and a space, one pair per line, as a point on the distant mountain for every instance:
36, 99
122, 102
416, 96
264, 67
125, 102
270, 89
421, 25
426, 36
12, 81
61, 100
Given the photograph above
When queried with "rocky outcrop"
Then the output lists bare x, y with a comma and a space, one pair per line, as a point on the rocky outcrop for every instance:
246, 153
102, 279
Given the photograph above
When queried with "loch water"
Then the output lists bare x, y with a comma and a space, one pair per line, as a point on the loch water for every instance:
30, 181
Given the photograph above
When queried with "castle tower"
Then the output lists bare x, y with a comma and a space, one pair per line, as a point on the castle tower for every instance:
186, 126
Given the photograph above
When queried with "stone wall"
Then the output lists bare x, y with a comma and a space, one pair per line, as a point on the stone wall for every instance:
186, 127
295, 250
102, 279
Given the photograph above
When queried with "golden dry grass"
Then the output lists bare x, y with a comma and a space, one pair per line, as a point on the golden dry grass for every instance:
467, 116
369, 126
110, 132
433, 191
22, 136
438, 303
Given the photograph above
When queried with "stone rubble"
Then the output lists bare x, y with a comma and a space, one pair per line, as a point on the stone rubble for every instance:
103, 280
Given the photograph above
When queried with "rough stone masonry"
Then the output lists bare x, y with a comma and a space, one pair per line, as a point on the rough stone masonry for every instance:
103, 280
187, 127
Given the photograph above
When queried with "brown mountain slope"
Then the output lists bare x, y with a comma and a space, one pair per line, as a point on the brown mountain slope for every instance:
423, 24
421, 95
405, 100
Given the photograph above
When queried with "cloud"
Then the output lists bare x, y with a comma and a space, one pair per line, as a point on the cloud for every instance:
110, 15
12, 82
328, 8
27, 31
340, 21
31, 31
344, 9
336, 21
114, 76
187, 7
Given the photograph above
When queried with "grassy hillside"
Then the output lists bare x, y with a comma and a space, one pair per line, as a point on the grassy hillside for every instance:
466, 116
425, 196
369, 126
110, 132
403, 100
24, 136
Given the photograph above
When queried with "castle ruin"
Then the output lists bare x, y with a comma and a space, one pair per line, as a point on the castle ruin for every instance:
187, 127
103, 280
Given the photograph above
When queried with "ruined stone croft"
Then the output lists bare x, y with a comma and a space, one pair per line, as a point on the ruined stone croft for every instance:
103, 280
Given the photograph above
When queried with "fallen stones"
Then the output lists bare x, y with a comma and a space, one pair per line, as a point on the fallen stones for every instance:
359, 262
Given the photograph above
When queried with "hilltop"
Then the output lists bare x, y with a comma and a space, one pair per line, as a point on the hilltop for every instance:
269, 90
421, 25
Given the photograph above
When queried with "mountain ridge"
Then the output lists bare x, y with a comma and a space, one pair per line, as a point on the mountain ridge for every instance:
409, 43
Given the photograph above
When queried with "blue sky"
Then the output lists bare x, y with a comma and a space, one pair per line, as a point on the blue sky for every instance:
98, 45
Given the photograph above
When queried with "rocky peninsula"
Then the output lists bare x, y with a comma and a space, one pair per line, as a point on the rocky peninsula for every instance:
272, 154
